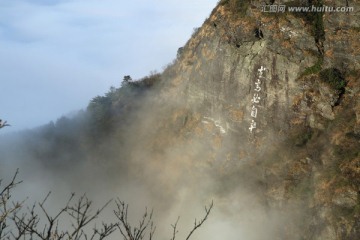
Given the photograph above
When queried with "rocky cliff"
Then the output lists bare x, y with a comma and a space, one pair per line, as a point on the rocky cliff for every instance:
271, 100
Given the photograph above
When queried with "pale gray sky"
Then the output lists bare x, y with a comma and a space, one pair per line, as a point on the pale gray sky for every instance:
56, 55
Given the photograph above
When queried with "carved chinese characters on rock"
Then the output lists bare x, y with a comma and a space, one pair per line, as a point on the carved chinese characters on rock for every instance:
255, 100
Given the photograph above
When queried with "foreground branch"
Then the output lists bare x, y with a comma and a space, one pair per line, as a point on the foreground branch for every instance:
125, 228
35, 222
198, 224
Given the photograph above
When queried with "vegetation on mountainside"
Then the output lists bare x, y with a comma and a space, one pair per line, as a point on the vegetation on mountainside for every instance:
237, 6
314, 69
313, 19
103, 110
334, 78
72, 138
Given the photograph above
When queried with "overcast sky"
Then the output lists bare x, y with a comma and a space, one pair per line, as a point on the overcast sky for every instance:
55, 55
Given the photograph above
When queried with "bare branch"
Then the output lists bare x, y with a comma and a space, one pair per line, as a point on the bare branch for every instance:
198, 224
175, 231
36, 222
5, 209
12, 184
136, 233
80, 212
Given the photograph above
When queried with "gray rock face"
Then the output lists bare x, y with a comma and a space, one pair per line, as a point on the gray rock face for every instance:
341, 31
267, 101
348, 198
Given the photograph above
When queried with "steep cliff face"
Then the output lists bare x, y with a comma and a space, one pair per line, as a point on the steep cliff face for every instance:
271, 101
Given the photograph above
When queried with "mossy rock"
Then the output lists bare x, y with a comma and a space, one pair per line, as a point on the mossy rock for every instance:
302, 139
224, 2
313, 19
237, 6
334, 78
314, 69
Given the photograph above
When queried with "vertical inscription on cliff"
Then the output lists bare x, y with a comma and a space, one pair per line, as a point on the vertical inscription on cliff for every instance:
256, 98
